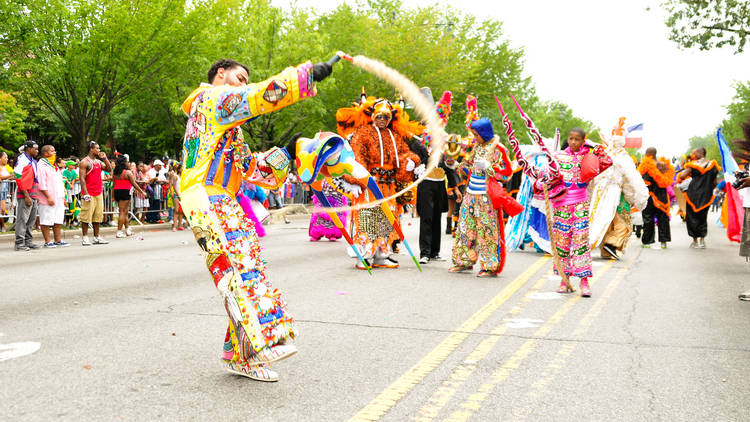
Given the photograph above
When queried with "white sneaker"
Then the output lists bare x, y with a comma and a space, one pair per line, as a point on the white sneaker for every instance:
100, 241
255, 372
423, 260
85, 241
274, 354
120, 234
128, 231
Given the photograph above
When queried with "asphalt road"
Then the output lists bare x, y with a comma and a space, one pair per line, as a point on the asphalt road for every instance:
132, 331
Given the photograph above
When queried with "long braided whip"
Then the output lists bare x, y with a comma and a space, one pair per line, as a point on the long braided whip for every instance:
424, 110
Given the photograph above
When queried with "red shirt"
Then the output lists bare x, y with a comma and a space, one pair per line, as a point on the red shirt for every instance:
94, 184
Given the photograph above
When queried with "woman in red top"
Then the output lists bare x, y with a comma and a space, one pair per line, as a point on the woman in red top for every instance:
124, 179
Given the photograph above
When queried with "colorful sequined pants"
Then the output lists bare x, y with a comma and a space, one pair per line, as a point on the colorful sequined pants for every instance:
258, 317
476, 234
570, 224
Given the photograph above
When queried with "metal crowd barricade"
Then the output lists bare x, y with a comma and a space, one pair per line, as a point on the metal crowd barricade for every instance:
8, 199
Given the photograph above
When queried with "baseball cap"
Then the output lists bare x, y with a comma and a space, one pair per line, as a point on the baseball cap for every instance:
158, 163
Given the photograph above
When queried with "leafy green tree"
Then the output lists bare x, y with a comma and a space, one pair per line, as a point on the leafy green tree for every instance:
737, 112
709, 23
12, 118
81, 59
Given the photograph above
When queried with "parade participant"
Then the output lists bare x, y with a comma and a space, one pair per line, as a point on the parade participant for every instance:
215, 161
571, 210
26, 196
531, 224
378, 131
699, 195
479, 234
658, 176
615, 191
51, 199
92, 187
321, 224
432, 194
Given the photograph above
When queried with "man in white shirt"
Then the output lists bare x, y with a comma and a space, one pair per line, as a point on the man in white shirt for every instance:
157, 177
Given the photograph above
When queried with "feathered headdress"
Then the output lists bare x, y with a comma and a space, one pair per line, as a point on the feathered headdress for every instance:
350, 118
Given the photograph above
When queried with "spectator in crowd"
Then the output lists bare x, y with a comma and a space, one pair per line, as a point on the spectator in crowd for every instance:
274, 200
174, 182
6, 178
72, 190
124, 179
141, 200
26, 195
92, 186
157, 178
51, 199
745, 238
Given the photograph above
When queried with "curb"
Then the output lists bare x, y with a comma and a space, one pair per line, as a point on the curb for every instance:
69, 234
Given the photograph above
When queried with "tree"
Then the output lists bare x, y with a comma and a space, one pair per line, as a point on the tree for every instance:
81, 59
12, 118
737, 112
709, 23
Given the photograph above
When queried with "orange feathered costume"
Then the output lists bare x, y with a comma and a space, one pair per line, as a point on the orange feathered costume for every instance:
386, 155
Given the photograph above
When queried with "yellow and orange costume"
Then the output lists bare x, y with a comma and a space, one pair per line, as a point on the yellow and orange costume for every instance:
215, 162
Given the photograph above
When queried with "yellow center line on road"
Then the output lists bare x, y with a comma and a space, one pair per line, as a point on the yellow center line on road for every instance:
474, 402
448, 388
553, 368
406, 382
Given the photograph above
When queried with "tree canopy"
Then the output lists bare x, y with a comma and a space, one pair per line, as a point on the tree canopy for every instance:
709, 24
115, 71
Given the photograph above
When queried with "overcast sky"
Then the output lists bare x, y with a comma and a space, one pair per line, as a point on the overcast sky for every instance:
607, 58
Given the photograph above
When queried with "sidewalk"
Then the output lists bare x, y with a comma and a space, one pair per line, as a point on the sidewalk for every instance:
292, 212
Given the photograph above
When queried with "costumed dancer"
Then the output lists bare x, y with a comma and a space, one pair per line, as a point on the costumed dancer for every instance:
531, 224
479, 234
378, 131
321, 224
215, 161
571, 210
658, 174
699, 195
615, 191
432, 194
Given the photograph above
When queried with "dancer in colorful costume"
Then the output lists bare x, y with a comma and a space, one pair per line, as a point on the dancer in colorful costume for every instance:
321, 224
215, 161
377, 131
479, 235
565, 182
531, 224
699, 195
658, 176
615, 191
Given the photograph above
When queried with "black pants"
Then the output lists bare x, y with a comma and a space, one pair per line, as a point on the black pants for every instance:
429, 207
153, 210
665, 235
697, 222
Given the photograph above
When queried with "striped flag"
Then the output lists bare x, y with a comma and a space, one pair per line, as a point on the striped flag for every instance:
634, 136
732, 212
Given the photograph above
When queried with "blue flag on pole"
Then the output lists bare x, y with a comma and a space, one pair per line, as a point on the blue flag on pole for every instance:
728, 163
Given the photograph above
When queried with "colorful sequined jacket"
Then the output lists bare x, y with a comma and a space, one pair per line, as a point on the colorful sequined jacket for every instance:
214, 152
570, 170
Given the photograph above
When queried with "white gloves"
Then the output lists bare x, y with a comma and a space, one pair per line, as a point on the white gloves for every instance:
419, 171
410, 165
481, 164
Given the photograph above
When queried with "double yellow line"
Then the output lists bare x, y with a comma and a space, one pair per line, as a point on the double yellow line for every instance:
406, 382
